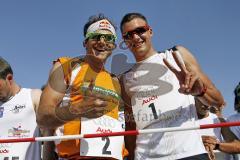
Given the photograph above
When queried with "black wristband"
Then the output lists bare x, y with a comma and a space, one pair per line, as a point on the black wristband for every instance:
217, 145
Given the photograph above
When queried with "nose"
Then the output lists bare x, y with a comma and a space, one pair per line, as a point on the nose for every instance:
135, 36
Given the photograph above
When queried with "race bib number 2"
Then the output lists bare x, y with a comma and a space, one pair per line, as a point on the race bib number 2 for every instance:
103, 146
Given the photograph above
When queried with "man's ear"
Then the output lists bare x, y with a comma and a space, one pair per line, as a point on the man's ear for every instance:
151, 31
9, 78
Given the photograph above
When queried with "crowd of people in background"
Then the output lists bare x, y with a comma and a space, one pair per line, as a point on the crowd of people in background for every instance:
161, 90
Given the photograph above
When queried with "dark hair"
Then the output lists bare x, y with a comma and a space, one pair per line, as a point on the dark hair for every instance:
5, 68
95, 18
43, 87
236, 105
237, 90
130, 16
237, 97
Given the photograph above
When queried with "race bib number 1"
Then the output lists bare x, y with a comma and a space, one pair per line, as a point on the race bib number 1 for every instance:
103, 146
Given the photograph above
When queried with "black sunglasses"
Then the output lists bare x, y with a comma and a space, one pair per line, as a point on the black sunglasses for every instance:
139, 31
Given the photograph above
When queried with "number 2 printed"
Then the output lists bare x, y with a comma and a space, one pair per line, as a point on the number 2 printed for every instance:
104, 150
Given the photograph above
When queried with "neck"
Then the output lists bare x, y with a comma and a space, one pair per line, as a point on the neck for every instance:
149, 53
96, 65
15, 89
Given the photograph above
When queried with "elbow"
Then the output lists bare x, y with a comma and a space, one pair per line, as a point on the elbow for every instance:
218, 99
44, 117
220, 103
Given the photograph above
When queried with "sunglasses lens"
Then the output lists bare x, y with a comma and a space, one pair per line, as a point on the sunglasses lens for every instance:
109, 37
139, 31
95, 37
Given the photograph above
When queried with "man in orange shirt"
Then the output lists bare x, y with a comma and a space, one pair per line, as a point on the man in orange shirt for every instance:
82, 97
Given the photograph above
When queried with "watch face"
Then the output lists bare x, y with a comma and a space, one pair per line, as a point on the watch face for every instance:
217, 146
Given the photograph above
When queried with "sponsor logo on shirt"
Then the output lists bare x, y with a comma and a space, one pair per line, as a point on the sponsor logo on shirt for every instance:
18, 108
147, 100
1, 111
18, 132
2, 151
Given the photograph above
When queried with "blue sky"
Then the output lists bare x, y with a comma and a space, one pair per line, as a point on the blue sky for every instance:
34, 33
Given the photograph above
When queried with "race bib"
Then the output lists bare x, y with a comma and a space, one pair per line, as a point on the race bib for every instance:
103, 146
163, 109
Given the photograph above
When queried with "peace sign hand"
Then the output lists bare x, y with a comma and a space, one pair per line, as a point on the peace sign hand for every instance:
189, 81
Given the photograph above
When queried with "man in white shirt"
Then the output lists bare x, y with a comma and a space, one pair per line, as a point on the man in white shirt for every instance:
232, 143
206, 117
158, 92
17, 116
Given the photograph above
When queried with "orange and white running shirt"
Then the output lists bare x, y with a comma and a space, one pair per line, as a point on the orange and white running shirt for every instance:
78, 76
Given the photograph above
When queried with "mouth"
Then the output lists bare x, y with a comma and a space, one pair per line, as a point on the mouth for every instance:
99, 51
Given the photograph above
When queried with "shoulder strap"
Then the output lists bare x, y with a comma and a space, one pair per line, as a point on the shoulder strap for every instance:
173, 49
68, 66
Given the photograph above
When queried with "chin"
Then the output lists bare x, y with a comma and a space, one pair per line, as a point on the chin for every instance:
140, 53
3, 99
140, 50
101, 58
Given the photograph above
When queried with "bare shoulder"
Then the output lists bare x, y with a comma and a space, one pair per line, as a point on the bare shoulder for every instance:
56, 73
36, 94
188, 57
57, 65
185, 53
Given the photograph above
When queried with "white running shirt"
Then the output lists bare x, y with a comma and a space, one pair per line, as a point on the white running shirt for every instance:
18, 120
156, 103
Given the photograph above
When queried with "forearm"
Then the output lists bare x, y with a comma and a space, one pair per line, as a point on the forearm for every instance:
54, 117
49, 147
49, 151
233, 147
226, 132
130, 141
130, 144
211, 97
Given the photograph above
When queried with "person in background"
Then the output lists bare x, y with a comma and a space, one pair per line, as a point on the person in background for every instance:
231, 144
18, 108
206, 117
